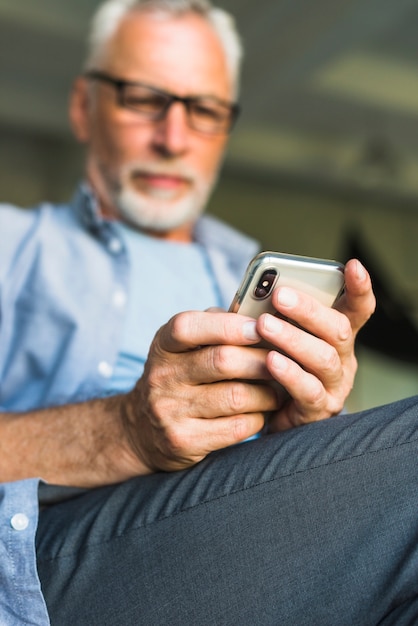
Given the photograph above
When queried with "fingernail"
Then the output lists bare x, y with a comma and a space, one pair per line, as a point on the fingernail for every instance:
272, 324
287, 297
249, 331
279, 362
361, 272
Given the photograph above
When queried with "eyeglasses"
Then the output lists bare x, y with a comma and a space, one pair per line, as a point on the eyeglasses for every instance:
205, 114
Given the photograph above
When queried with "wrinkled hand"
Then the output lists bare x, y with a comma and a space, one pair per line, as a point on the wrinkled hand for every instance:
193, 397
320, 368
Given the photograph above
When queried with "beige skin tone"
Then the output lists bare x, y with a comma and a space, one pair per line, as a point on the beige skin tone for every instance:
189, 401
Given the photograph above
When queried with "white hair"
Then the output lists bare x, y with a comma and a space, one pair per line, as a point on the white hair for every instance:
110, 14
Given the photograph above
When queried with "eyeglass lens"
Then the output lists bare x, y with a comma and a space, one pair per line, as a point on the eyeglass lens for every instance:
204, 114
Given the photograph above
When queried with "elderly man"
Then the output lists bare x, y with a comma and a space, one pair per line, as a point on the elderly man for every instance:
102, 397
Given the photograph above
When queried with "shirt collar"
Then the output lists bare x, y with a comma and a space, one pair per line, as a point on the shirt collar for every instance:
86, 206
208, 230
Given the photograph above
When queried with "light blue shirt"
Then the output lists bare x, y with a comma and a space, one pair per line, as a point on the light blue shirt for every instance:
64, 282
21, 600
166, 277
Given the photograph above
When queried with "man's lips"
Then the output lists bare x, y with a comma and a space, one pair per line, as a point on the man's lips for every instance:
160, 181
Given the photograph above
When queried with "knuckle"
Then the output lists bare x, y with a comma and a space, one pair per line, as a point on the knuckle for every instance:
176, 441
344, 328
316, 397
354, 362
160, 409
239, 428
155, 377
310, 309
330, 361
373, 305
159, 380
335, 405
237, 397
181, 326
292, 339
221, 359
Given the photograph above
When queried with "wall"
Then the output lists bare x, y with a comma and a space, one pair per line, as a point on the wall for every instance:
310, 220
36, 167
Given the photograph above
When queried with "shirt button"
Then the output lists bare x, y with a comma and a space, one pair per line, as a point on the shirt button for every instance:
119, 298
114, 245
105, 369
20, 521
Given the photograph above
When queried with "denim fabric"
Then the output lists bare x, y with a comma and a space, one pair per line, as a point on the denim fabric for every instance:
21, 600
317, 526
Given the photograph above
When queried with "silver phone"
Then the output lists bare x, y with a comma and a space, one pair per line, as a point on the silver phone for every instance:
320, 278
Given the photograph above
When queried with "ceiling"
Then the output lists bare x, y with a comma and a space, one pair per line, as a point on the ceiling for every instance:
329, 92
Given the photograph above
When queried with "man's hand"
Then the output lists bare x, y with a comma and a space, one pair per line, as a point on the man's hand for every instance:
319, 369
203, 388
197, 393
193, 397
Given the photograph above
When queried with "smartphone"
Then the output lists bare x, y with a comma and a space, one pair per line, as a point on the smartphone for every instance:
320, 278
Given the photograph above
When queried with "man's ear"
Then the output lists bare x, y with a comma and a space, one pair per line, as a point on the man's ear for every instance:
79, 110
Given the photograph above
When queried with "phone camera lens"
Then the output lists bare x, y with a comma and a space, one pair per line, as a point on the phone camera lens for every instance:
265, 284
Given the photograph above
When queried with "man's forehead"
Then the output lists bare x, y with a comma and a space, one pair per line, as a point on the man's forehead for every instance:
179, 53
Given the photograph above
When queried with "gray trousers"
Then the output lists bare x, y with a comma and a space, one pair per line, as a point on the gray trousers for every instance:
317, 526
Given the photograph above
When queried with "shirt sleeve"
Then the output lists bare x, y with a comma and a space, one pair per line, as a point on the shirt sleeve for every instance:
21, 599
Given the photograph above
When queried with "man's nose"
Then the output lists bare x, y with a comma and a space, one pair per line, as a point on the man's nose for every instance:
172, 132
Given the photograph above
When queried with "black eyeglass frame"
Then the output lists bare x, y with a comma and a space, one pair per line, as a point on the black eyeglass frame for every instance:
120, 84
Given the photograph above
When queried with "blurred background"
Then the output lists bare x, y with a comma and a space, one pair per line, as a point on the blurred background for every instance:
323, 162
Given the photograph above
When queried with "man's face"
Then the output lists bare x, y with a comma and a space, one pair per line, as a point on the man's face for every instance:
155, 174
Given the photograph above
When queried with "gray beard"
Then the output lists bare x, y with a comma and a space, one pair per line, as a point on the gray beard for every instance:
156, 213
